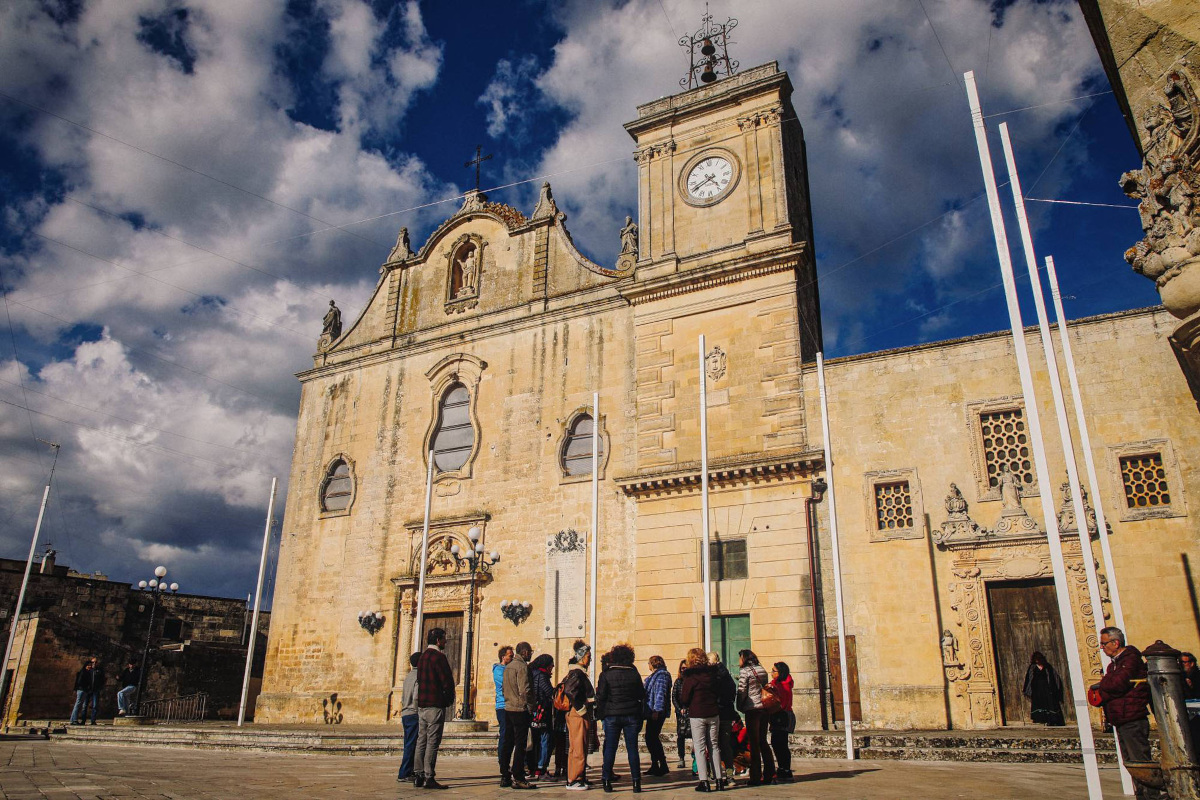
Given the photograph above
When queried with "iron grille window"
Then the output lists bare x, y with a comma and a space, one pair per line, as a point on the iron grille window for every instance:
1145, 481
577, 452
893, 506
454, 438
1005, 441
727, 560
339, 486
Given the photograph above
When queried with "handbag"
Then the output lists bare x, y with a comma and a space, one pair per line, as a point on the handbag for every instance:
770, 703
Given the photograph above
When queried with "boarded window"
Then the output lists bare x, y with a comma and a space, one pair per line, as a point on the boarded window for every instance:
1145, 481
339, 486
1005, 441
893, 506
454, 438
577, 451
727, 560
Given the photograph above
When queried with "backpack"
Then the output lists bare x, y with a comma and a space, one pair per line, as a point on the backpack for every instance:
561, 701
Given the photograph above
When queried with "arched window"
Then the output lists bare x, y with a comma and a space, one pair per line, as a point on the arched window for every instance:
454, 437
338, 487
577, 448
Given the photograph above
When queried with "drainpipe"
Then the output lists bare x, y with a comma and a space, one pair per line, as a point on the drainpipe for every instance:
818, 494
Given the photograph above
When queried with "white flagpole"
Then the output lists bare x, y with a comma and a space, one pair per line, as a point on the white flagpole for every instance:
262, 568
418, 645
1075, 668
37, 530
847, 716
1085, 442
595, 554
1060, 404
1060, 409
705, 565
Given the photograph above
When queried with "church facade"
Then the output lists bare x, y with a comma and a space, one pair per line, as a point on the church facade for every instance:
481, 352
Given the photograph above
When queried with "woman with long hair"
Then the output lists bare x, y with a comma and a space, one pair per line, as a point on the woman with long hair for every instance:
683, 731
699, 697
751, 680
783, 721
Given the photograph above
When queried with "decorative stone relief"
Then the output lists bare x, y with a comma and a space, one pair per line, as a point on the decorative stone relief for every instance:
440, 560
959, 530
629, 245
1167, 186
566, 541
1066, 512
546, 207
403, 250
714, 364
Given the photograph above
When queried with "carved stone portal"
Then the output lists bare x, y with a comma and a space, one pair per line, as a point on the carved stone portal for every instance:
1016, 549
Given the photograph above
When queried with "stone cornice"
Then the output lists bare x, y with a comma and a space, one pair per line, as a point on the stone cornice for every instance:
727, 471
453, 335
718, 274
727, 91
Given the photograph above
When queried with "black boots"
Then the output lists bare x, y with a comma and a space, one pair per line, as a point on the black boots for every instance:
607, 784
637, 787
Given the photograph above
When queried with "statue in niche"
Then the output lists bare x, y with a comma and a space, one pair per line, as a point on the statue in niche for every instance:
629, 238
956, 506
949, 649
331, 325
441, 560
403, 250
466, 272
1010, 489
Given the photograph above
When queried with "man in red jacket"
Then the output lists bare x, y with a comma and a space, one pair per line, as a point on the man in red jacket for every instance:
1126, 695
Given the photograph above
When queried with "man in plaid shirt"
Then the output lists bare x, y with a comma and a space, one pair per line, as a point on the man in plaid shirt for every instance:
435, 693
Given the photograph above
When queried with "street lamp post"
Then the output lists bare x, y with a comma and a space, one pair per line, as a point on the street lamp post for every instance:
478, 564
155, 586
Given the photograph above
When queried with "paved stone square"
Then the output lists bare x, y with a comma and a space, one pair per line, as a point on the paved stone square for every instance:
61, 770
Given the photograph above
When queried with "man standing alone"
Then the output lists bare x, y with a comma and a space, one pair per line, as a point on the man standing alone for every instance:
505, 655
130, 677
1125, 695
435, 693
518, 686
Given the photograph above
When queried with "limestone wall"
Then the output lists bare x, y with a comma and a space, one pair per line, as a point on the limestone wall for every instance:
910, 410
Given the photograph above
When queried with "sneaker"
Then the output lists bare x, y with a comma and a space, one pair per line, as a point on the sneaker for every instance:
576, 786
419, 781
120, 713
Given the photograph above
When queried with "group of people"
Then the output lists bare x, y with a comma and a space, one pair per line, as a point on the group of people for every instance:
539, 719
89, 684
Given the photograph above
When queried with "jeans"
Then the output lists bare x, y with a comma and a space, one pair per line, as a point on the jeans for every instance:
429, 739
705, 739
503, 734
412, 725
614, 727
124, 698
658, 758
546, 737
82, 698
512, 757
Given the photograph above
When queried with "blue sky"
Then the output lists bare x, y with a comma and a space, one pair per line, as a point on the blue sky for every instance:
184, 185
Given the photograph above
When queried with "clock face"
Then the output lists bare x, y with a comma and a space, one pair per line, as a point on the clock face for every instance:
709, 178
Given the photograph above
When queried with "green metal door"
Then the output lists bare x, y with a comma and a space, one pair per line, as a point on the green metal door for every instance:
729, 635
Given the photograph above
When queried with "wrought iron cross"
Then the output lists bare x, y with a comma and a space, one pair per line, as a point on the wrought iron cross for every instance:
476, 162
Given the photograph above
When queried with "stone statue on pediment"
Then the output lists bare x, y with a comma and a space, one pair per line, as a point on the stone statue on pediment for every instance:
956, 506
629, 238
1010, 490
331, 325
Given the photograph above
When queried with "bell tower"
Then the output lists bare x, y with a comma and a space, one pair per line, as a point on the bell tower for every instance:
722, 179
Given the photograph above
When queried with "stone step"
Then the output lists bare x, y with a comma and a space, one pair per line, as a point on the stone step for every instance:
985, 746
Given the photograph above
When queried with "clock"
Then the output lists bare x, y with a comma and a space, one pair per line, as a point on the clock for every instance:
710, 179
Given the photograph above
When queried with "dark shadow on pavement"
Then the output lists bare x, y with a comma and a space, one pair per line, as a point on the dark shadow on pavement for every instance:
820, 776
